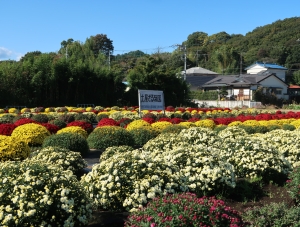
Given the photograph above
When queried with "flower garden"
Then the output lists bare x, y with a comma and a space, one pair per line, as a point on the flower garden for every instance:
166, 168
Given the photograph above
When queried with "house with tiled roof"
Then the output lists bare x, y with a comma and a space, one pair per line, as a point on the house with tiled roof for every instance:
197, 76
241, 87
258, 67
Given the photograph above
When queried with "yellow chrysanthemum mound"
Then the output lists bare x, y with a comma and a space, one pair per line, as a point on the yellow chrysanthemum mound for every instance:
160, 125
137, 124
207, 123
13, 149
32, 134
73, 129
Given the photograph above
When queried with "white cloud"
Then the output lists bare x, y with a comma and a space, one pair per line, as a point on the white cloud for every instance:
6, 54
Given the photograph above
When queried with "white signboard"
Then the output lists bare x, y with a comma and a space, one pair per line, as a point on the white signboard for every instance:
151, 100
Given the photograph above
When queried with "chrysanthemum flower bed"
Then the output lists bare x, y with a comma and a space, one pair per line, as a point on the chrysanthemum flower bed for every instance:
62, 157
38, 194
185, 209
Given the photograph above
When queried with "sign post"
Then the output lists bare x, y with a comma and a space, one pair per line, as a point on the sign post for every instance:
151, 100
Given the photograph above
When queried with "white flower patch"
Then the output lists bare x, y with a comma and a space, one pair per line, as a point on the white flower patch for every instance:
35, 192
253, 157
68, 160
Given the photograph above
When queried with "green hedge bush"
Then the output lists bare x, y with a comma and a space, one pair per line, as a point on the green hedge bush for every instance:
71, 141
107, 136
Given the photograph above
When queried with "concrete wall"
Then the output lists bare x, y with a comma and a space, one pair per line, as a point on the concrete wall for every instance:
226, 104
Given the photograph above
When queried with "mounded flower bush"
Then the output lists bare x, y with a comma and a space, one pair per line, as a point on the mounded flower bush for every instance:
72, 141
51, 127
59, 123
13, 149
253, 157
110, 151
64, 158
23, 121
137, 124
31, 133
88, 127
174, 128
42, 118
7, 118
207, 123
160, 125
7, 129
73, 129
128, 180
107, 136
107, 122
38, 194
143, 135
186, 210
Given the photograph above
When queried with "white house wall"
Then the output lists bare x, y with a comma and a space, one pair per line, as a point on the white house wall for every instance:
256, 69
279, 73
275, 82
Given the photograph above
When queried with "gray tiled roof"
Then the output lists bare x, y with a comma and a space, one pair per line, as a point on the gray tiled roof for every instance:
199, 71
198, 81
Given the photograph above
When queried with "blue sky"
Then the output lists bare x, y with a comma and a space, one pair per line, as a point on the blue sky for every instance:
146, 25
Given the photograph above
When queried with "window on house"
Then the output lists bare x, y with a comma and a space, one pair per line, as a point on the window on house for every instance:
277, 91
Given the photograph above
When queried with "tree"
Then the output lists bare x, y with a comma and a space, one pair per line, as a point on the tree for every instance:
296, 77
196, 39
102, 44
151, 73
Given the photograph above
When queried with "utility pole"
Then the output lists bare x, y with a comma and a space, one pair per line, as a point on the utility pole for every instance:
109, 60
67, 52
183, 48
241, 63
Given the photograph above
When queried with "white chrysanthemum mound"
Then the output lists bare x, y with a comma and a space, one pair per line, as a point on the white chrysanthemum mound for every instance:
130, 179
37, 194
186, 137
66, 159
110, 151
287, 143
198, 135
233, 132
253, 157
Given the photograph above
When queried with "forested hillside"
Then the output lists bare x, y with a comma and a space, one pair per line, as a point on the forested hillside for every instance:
89, 72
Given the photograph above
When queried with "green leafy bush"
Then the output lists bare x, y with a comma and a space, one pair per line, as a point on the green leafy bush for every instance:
67, 117
273, 127
173, 128
7, 118
66, 159
42, 118
143, 135
220, 128
101, 116
288, 127
186, 116
185, 210
39, 194
59, 123
107, 136
90, 118
293, 184
71, 141
274, 214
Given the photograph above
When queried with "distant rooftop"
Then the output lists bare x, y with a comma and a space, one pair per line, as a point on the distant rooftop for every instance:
267, 65
199, 70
